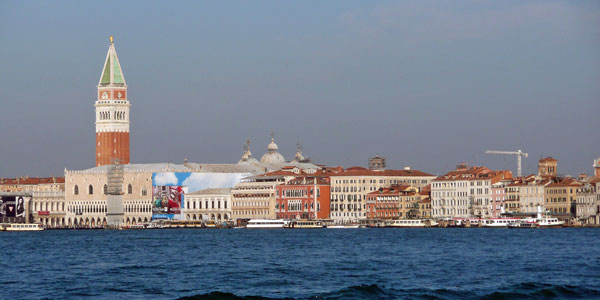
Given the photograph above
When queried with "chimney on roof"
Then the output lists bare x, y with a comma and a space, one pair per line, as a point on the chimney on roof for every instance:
407, 168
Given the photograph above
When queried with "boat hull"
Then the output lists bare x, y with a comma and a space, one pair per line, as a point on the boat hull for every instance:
343, 226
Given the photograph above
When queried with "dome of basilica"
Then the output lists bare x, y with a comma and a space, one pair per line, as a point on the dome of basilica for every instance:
272, 156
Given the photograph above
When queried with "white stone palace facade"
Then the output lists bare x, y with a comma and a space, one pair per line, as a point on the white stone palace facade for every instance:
349, 189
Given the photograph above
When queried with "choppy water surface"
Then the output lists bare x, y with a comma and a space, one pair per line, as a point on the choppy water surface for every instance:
318, 264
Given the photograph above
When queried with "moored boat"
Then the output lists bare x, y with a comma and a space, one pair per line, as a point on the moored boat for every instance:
348, 226
306, 224
543, 221
134, 226
546, 222
21, 227
266, 224
522, 224
497, 223
411, 223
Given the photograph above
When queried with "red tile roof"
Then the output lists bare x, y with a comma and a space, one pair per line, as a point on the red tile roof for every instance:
288, 172
567, 182
308, 181
32, 180
366, 172
394, 190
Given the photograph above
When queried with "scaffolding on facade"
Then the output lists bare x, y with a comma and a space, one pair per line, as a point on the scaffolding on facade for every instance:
115, 178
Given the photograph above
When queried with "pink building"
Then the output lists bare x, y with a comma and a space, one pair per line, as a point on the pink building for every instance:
498, 196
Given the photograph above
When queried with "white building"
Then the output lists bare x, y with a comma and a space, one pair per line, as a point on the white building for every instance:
208, 204
349, 189
531, 194
588, 203
464, 192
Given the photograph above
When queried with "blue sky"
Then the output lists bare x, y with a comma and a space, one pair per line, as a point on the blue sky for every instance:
423, 83
197, 181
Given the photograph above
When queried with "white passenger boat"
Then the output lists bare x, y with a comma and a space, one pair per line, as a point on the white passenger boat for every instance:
497, 223
411, 223
265, 223
523, 224
22, 227
543, 221
305, 224
546, 222
349, 226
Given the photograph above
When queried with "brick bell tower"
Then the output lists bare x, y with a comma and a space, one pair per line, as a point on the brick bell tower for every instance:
112, 113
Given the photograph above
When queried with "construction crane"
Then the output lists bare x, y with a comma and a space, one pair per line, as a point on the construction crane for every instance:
518, 153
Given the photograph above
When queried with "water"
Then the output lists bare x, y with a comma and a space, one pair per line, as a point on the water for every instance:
317, 264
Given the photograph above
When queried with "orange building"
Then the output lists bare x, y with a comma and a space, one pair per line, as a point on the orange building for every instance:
395, 202
296, 198
560, 197
548, 166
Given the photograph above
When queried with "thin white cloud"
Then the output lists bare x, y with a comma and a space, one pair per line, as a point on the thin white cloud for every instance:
167, 178
199, 181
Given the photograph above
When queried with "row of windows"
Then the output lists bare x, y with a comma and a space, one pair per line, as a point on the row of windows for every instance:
449, 202
143, 192
296, 206
449, 194
254, 204
198, 204
250, 212
555, 200
380, 181
460, 184
558, 191
48, 206
347, 214
101, 208
117, 115
386, 214
351, 207
449, 212
342, 197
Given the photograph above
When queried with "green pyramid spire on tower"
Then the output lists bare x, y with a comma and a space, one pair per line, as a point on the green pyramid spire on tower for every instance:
112, 74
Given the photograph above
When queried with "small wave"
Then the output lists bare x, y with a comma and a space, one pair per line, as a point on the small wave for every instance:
133, 267
222, 296
372, 292
532, 290
353, 292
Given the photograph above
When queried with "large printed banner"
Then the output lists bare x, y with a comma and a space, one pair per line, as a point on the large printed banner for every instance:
167, 199
169, 189
12, 206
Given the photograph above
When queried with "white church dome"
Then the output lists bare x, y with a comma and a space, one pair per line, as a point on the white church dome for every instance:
272, 156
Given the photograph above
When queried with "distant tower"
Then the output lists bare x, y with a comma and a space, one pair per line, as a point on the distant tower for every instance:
377, 163
112, 112
597, 167
299, 157
547, 167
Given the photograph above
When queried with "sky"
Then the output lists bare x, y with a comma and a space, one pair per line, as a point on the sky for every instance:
427, 84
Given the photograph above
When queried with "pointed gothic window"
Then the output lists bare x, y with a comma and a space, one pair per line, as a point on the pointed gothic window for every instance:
76, 190
129, 189
91, 189
144, 191
105, 189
